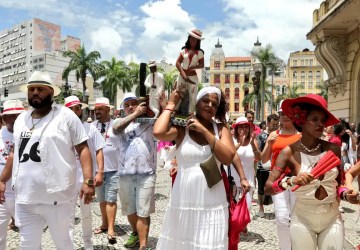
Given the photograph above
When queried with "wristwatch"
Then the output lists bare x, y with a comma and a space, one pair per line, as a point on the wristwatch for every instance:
89, 182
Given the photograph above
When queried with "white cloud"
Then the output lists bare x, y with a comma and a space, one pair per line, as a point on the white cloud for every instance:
107, 40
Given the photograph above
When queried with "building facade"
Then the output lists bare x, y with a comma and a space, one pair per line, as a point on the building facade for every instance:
33, 45
305, 71
336, 35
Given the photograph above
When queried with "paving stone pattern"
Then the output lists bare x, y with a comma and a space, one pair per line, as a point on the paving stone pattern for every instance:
262, 231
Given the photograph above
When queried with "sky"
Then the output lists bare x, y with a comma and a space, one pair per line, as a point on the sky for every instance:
140, 30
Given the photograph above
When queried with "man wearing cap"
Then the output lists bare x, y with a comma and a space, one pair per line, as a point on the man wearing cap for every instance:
96, 143
107, 193
137, 167
12, 108
155, 83
43, 163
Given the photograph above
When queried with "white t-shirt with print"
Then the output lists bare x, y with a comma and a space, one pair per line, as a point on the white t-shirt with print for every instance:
6, 145
137, 149
45, 156
110, 159
95, 142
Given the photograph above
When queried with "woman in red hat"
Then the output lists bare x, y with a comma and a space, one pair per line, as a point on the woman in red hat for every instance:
316, 222
191, 58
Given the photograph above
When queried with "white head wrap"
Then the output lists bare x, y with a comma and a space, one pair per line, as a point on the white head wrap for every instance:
209, 90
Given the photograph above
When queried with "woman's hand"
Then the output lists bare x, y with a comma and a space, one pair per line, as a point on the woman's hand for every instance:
173, 171
352, 196
252, 138
176, 95
195, 125
271, 139
241, 137
245, 185
303, 179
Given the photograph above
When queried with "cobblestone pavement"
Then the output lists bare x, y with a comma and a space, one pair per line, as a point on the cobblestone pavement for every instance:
261, 235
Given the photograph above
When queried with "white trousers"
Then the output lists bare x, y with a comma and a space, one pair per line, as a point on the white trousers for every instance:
317, 227
30, 218
192, 90
7, 210
283, 205
86, 223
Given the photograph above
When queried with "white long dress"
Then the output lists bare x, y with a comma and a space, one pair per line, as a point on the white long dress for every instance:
197, 216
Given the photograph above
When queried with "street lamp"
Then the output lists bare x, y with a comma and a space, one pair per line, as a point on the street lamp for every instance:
257, 67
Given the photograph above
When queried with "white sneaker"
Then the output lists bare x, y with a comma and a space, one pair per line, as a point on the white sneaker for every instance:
260, 214
341, 210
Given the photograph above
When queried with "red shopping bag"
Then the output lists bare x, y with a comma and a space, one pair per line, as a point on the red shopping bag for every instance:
239, 218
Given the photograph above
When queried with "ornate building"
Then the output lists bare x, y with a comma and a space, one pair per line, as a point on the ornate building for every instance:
305, 71
336, 33
230, 74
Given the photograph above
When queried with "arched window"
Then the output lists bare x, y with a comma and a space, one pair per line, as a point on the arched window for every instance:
237, 93
227, 94
295, 74
284, 89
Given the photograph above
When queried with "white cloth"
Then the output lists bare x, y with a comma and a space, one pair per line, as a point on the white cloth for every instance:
247, 158
137, 149
6, 144
31, 218
95, 142
155, 83
110, 158
57, 134
200, 213
191, 60
7, 210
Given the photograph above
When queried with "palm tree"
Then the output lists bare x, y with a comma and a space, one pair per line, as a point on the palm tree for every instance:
252, 96
169, 79
115, 73
267, 59
82, 63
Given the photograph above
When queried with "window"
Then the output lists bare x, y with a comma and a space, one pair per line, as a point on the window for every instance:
311, 62
237, 78
41, 66
310, 75
295, 74
216, 78
302, 85
295, 63
41, 59
217, 64
302, 75
318, 74
237, 93
227, 78
284, 89
236, 107
278, 90
302, 62
35, 60
227, 94
35, 67
310, 85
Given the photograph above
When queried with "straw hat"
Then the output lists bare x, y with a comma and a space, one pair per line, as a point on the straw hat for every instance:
152, 63
196, 33
74, 100
103, 101
40, 78
127, 97
12, 107
241, 120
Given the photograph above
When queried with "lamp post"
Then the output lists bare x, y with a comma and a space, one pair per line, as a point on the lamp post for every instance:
257, 66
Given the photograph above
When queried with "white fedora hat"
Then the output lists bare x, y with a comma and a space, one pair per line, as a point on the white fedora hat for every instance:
40, 78
196, 33
74, 100
152, 63
127, 97
12, 107
103, 101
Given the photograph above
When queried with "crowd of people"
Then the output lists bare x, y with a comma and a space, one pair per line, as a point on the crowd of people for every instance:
302, 159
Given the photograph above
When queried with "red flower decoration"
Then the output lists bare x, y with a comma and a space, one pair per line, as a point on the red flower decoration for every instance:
297, 115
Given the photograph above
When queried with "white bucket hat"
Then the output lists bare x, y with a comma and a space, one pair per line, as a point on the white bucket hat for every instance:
127, 97
152, 63
196, 33
103, 101
12, 107
40, 78
74, 100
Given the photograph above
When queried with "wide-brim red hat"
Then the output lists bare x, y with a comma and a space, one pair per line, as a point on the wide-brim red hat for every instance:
316, 100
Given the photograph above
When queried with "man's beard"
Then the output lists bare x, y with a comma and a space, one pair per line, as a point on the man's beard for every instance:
46, 102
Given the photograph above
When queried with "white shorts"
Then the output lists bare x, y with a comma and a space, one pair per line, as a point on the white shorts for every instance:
137, 194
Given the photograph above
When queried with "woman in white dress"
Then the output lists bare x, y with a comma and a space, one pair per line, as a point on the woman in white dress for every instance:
197, 216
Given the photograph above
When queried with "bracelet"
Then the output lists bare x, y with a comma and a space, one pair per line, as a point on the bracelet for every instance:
168, 109
340, 191
291, 181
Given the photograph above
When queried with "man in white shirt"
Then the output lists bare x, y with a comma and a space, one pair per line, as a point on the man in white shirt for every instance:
154, 82
96, 143
107, 193
137, 168
12, 108
43, 166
